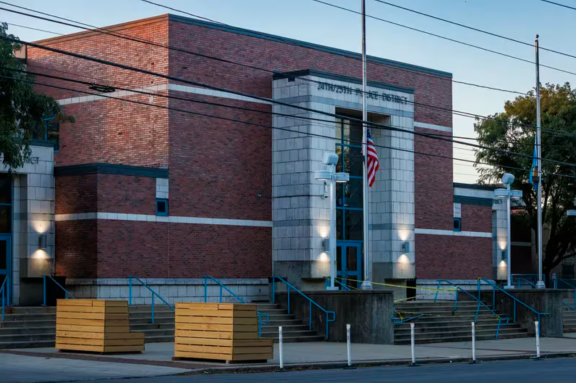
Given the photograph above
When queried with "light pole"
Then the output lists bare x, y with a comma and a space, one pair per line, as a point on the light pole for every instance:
329, 175
508, 179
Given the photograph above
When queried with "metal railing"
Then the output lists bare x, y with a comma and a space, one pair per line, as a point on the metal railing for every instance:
571, 286
336, 281
5, 294
223, 286
516, 300
480, 304
311, 302
533, 278
154, 293
66, 292
518, 279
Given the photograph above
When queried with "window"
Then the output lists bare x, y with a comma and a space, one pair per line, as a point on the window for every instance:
162, 207
50, 132
457, 224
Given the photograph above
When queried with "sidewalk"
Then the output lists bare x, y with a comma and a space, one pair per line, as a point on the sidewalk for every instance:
47, 364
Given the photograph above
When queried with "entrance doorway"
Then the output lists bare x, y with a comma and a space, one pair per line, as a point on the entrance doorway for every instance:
5, 268
349, 262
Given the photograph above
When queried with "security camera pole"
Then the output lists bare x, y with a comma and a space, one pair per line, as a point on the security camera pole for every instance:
540, 283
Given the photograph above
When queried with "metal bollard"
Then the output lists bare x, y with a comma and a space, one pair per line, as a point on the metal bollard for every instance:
348, 345
473, 342
412, 344
537, 324
280, 347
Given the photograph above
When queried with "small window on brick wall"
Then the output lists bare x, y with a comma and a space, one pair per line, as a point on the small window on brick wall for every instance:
161, 206
457, 224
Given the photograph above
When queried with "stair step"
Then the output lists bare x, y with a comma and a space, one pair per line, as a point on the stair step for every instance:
26, 330
28, 324
27, 344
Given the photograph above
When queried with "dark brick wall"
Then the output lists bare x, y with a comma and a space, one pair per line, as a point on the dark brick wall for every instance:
126, 194
447, 257
476, 218
76, 194
163, 250
76, 244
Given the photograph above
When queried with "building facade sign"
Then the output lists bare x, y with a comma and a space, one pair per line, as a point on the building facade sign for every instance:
374, 95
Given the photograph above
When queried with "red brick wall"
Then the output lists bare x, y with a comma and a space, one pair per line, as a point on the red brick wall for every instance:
477, 218
434, 194
218, 168
76, 244
448, 257
126, 194
76, 194
163, 250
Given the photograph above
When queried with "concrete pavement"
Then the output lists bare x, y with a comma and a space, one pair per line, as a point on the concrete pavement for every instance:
48, 365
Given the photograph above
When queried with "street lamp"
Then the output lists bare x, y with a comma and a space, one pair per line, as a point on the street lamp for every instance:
329, 175
508, 179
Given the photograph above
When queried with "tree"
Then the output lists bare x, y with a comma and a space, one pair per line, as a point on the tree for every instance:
514, 131
23, 111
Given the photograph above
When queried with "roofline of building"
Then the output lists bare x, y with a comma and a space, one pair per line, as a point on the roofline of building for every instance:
251, 33
475, 186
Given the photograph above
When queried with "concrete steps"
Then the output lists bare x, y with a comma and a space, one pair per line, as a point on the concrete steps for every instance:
569, 317
293, 329
26, 327
441, 323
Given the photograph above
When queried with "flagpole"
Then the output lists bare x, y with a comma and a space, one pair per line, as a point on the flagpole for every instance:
540, 283
366, 285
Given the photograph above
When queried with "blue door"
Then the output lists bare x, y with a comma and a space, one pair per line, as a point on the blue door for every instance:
5, 267
349, 262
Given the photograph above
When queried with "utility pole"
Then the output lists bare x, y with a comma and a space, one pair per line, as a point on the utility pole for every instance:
540, 283
366, 285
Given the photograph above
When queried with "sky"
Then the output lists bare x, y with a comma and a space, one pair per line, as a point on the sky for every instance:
317, 23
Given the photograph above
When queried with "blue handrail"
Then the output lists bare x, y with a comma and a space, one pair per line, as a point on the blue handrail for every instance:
66, 292
4, 294
290, 287
327, 282
154, 293
223, 286
480, 303
518, 279
494, 287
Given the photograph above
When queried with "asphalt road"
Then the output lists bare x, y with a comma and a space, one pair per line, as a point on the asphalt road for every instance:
525, 371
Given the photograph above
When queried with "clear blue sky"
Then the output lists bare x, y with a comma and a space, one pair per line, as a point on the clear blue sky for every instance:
310, 21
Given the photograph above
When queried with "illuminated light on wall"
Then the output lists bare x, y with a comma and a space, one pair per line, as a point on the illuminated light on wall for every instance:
403, 234
323, 231
502, 263
41, 226
40, 254
324, 257
403, 259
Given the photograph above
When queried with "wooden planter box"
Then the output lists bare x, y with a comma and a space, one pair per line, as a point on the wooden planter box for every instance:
219, 331
95, 326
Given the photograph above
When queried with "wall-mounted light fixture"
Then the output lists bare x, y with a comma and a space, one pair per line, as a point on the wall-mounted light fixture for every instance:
42, 241
405, 247
326, 245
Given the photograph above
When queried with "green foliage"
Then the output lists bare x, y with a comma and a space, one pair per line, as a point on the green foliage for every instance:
514, 131
22, 110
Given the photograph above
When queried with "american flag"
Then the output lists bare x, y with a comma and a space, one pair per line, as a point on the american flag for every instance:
373, 165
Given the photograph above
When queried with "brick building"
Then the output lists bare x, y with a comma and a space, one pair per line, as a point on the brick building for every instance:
171, 197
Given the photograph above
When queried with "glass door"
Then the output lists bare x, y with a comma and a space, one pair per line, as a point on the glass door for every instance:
349, 263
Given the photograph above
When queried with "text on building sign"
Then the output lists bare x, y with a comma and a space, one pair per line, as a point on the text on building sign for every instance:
374, 95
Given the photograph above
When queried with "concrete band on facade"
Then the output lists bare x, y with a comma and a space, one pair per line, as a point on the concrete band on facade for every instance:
242, 202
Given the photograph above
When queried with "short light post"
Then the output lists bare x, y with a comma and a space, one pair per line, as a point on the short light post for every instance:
329, 175
508, 179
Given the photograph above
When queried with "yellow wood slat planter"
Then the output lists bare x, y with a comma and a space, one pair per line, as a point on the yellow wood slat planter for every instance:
219, 331
95, 326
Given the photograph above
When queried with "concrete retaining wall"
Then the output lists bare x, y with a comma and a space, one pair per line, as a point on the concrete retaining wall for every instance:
368, 312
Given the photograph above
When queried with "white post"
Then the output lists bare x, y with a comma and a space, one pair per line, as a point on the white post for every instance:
280, 348
537, 324
366, 285
473, 342
540, 283
348, 345
412, 344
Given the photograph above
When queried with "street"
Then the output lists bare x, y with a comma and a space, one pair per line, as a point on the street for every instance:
561, 370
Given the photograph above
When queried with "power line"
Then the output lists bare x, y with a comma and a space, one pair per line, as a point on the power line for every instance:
190, 14
481, 30
378, 126
560, 5
34, 29
271, 127
449, 39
